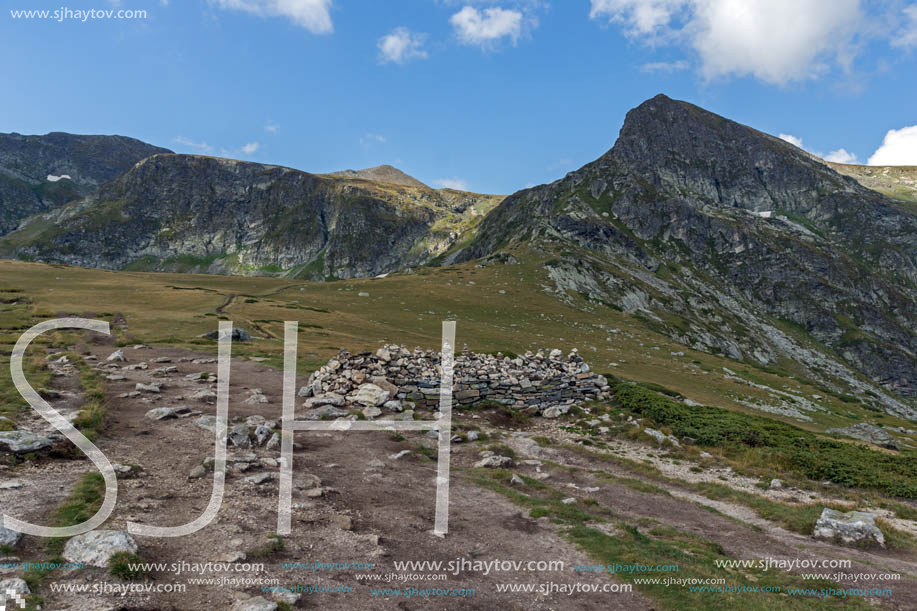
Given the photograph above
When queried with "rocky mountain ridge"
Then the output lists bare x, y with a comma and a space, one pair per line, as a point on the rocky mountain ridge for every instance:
205, 214
730, 241
38, 173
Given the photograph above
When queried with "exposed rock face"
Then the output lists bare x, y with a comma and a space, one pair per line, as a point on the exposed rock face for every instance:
696, 218
27, 162
868, 433
539, 383
853, 527
203, 214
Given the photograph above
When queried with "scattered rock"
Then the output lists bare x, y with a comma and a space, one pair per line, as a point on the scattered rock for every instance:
400, 454
254, 604
260, 478
371, 412
161, 413
238, 436
9, 538
151, 388
555, 411
207, 422
261, 435
775, 484
852, 527
569, 500
96, 547
325, 411
661, 437
305, 392
494, 462
273, 443
197, 472
116, 356
205, 396
15, 585
516, 480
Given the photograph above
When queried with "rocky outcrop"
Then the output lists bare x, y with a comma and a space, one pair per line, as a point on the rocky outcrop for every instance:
203, 214
868, 433
38, 173
721, 236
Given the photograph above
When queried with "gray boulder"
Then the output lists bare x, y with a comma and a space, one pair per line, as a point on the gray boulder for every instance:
238, 436
9, 538
96, 547
853, 527
494, 462
21, 442
261, 435
15, 585
555, 411
161, 413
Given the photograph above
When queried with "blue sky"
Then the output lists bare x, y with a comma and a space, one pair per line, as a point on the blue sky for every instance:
489, 96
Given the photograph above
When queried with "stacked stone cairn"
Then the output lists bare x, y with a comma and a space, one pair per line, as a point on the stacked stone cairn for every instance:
395, 379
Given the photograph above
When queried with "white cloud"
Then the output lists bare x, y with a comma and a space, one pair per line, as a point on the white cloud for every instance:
776, 41
841, 156
199, 147
484, 28
272, 128
371, 138
667, 67
313, 15
250, 148
640, 17
401, 45
792, 140
907, 35
898, 148
452, 183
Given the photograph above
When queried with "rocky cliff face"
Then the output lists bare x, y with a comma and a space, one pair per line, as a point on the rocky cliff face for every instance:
192, 213
77, 165
730, 241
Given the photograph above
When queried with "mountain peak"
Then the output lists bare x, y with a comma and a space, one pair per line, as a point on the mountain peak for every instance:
381, 173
